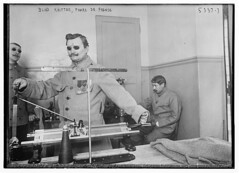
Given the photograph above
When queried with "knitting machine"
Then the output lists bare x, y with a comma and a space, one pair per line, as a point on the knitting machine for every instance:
78, 131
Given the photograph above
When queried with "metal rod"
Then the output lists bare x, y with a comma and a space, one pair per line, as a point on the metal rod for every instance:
45, 109
227, 67
89, 118
108, 69
70, 69
14, 120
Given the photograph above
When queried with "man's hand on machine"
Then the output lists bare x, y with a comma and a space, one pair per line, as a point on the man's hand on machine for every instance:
32, 117
19, 84
13, 142
144, 118
144, 125
142, 122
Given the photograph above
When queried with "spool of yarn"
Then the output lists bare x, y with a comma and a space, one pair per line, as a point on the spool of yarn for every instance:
66, 155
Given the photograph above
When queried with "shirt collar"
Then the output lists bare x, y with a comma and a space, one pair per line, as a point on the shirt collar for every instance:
84, 63
163, 91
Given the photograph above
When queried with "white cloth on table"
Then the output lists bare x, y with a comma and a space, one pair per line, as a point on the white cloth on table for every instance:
197, 151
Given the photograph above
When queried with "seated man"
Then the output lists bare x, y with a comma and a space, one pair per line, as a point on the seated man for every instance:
165, 107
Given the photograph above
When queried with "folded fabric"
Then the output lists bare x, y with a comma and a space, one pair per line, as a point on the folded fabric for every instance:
197, 151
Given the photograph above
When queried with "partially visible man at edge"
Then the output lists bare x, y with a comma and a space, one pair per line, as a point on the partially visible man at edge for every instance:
25, 112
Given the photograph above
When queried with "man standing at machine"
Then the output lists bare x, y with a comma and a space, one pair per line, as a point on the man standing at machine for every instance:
71, 88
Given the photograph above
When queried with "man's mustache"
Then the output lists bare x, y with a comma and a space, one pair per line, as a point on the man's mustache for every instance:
74, 54
17, 55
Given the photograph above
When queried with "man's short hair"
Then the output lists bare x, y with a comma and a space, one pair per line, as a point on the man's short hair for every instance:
82, 37
158, 79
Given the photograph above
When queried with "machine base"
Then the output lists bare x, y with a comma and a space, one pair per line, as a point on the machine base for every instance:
108, 159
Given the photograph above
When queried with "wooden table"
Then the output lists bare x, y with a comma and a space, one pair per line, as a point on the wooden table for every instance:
145, 156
